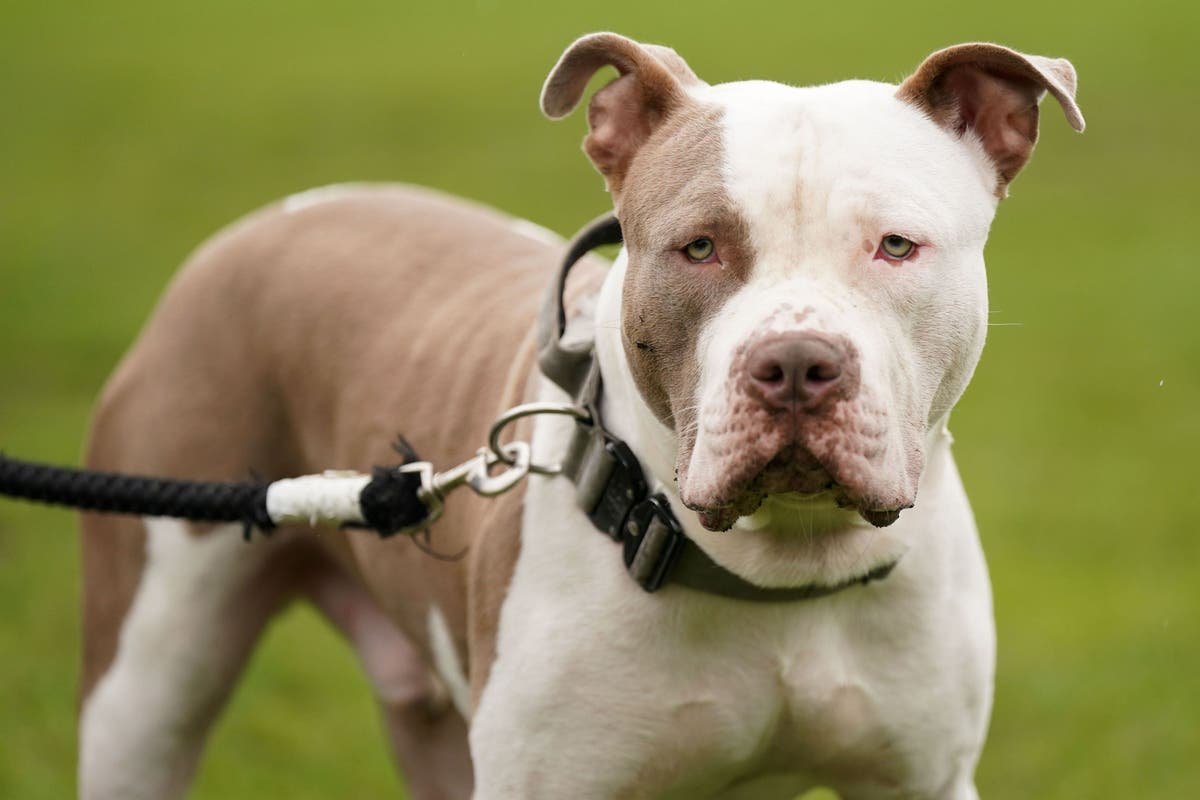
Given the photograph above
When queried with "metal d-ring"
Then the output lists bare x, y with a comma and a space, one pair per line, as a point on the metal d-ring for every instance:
529, 410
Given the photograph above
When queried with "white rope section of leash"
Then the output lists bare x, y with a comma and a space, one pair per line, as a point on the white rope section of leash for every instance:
330, 498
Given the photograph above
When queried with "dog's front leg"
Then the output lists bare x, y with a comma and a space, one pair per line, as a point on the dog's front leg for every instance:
526, 746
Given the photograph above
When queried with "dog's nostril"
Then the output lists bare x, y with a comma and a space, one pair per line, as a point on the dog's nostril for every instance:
771, 373
823, 373
767, 368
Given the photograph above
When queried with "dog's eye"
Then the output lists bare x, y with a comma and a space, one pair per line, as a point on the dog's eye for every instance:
897, 247
700, 250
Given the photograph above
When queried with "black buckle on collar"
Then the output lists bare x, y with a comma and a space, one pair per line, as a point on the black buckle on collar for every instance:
653, 540
612, 490
624, 485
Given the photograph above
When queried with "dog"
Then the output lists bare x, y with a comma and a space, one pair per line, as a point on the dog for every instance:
799, 303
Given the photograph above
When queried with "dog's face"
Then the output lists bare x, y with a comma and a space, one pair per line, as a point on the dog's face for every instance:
805, 294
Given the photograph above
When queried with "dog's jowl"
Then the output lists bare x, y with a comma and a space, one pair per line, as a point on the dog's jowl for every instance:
798, 305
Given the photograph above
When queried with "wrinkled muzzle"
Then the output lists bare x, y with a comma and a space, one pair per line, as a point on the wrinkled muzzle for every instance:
794, 414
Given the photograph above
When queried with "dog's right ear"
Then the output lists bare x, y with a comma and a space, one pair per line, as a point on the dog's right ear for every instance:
621, 116
994, 92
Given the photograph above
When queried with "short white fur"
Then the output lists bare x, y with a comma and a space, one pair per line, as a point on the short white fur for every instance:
136, 734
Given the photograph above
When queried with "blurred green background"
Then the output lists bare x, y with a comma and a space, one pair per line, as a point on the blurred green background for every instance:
129, 131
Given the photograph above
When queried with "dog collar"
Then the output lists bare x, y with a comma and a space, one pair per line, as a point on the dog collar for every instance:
611, 487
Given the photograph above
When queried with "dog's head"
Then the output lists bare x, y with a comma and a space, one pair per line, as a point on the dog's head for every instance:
805, 298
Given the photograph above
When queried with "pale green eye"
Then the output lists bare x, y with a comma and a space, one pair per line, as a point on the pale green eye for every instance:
700, 250
896, 246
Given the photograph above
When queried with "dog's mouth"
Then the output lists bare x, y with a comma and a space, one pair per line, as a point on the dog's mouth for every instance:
793, 478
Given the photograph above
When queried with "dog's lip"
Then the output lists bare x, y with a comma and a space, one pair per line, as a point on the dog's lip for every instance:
762, 516
725, 517
802, 499
881, 517
741, 505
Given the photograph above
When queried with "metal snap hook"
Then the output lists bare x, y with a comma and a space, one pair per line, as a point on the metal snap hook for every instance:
481, 480
498, 451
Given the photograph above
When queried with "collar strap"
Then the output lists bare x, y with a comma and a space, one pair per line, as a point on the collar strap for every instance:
567, 362
611, 487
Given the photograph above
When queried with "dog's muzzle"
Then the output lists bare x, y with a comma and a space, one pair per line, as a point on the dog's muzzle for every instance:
795, 422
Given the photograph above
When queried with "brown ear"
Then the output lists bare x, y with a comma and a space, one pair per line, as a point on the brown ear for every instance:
622, 115
995, 92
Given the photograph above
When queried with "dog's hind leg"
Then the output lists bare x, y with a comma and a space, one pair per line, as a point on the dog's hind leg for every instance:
428, 734
156, 676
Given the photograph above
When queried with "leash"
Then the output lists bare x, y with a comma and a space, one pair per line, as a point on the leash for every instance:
406, 498
611, 487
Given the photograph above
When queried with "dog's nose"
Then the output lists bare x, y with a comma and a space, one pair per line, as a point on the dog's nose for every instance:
796, 370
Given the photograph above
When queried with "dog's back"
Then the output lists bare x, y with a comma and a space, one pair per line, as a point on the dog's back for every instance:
305, 337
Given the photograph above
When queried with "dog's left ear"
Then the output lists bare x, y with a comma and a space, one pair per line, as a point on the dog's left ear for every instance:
993, 91
651, 85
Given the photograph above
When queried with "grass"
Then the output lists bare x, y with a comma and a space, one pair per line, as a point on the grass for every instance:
131, 131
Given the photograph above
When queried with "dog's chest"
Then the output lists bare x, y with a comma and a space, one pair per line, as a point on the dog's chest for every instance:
786, 696
679, 692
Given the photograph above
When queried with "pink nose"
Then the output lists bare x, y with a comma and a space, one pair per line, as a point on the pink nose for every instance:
797, 370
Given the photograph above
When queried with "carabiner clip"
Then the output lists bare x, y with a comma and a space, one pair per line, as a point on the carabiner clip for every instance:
484, 483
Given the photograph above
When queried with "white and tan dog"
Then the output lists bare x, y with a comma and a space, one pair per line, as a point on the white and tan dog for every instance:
800, 302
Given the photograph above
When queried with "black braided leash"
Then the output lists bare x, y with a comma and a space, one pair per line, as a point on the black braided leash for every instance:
389, 503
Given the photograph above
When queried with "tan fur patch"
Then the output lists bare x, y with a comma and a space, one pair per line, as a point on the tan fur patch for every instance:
621, 116
676, 194
296, 342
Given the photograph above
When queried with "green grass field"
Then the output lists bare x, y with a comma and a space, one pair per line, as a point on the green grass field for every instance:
129, 131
